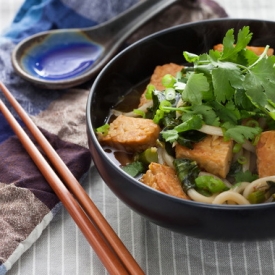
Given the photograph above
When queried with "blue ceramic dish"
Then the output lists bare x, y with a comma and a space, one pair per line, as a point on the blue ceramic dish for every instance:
61, 56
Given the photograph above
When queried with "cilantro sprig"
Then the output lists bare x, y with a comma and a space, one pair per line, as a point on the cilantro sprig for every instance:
222, 88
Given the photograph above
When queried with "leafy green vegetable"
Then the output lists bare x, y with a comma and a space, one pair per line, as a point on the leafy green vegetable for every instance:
235, 168
240, 133
134, 168
192, 123
187, 171
208, 114
230, 51
245, 176
163, 104
195, 86
237, 175
234, 84
221, 89
190, 137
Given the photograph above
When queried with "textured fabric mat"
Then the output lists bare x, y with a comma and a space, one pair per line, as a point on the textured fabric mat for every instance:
54, 244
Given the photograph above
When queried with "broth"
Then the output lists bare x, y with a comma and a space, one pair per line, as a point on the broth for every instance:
126, 104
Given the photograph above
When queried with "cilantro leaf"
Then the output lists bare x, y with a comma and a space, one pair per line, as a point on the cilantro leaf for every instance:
194, 122
226, 77
226, 114
246, 176
247, 57
170, 135
190, 57
228, 44
229, 49
225, 87
206, 63
208, 114
264, 72
242, 101
244, 37
195, 86
220, 78
255, 92
240, 133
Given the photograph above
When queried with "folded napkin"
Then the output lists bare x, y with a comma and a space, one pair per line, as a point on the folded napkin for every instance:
27, 203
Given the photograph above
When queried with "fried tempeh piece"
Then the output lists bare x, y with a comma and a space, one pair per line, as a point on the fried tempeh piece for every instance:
164, 179
131, 134
212, 154
265, 150
256, 50
159, 73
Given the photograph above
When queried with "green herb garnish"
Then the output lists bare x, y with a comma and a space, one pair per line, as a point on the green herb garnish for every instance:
210, 184
225, 87
134, 168
103, 129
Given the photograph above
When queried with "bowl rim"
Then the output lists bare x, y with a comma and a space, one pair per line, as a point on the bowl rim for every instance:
139, 184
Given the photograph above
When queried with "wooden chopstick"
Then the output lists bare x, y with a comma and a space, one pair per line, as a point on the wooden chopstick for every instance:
110, 261
101, 225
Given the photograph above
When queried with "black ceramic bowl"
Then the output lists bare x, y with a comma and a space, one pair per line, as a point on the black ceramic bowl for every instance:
134, 65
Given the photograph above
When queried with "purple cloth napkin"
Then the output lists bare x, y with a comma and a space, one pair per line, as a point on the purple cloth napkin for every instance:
25, 196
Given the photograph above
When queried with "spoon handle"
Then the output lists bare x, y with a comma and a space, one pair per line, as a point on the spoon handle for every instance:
127, 22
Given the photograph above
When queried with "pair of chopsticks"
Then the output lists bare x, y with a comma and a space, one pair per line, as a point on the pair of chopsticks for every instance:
103, 239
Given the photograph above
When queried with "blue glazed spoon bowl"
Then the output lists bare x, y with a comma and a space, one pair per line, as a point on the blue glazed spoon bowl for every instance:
60, 59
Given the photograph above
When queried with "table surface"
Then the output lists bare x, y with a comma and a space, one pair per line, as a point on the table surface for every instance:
80, 259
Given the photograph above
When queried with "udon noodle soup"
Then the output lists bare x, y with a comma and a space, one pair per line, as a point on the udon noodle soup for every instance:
205, 131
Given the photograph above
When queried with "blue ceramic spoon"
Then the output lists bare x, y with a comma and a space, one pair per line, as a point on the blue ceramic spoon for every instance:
60, 59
